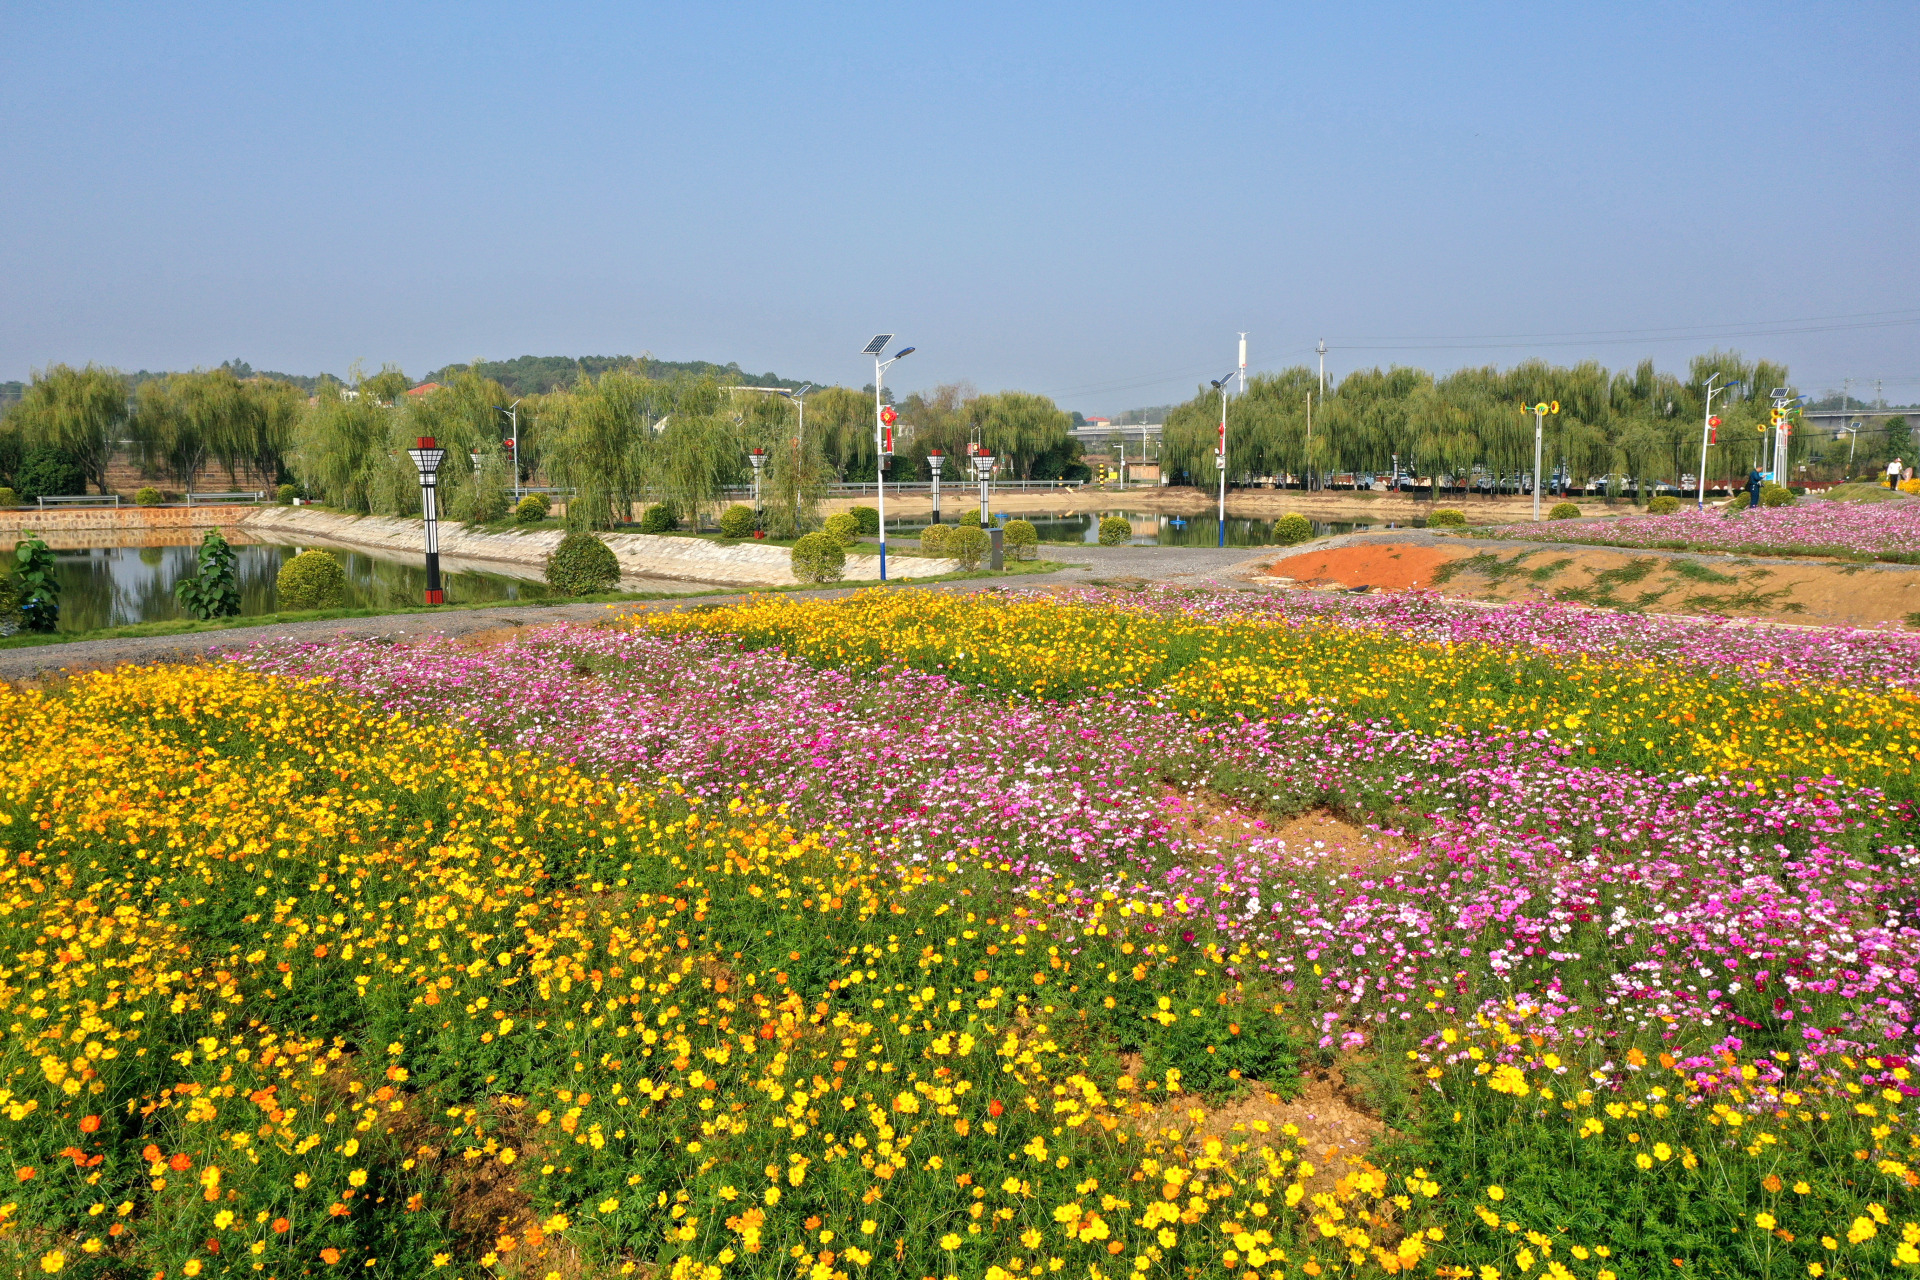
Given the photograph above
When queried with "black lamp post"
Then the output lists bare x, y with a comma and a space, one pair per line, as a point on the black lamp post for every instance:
427, 457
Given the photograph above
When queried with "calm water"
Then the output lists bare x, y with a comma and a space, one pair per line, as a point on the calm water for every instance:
1150, 529
114, 586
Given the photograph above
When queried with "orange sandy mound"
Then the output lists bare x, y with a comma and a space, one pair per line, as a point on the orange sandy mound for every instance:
1383, 566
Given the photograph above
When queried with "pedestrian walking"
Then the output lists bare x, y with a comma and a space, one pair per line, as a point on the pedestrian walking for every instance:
1753, 487
1893, 474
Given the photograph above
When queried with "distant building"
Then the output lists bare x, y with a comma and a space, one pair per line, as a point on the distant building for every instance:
425, 388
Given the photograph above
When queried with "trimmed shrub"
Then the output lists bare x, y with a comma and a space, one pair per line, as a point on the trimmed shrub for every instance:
532, 509
1446, 518
8, 498
969, 544
869, 518
971, 516
933, 539
285, 495
843, 528
47, 473
311, 580
1115, 532
1022, 539
582, 565
1291, 528
736, 522
658, 518
818, 557
1664, 505
1564, 511
147, 496
1775, 495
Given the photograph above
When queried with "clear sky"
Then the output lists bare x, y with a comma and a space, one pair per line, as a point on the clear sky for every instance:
1085, 200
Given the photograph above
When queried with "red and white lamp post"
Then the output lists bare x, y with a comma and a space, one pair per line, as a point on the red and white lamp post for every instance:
427, 456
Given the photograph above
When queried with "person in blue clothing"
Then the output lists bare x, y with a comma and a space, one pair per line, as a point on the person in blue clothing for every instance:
1753, 487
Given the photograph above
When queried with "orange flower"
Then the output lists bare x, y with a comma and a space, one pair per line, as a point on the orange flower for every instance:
329, 1256
150, 1153
25, 1173
1771, 1182
281, 1226
180, 1163
89, 1124
996, 1107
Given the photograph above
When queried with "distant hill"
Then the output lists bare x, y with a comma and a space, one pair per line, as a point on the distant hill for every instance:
533, 375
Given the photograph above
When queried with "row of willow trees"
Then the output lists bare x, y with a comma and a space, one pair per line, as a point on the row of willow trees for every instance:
619, 440
1640, 423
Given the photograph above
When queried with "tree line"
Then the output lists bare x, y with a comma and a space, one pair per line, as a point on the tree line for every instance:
1637, 422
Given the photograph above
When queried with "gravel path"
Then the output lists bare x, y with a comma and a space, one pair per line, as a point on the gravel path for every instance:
1193, 566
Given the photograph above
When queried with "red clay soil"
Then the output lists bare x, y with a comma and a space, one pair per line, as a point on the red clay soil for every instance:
1384, 566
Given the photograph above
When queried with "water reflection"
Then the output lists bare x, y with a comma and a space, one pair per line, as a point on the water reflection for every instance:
114, 586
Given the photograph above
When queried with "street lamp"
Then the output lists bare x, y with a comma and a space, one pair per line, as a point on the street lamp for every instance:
881, 436
427, 456
1539, 412
759, 459
1707, 425
1220, 453
934, 458
983, 471
513, 415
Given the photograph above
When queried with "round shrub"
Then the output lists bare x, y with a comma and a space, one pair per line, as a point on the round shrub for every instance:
46, 473
933, 539
869, 518
1446, 518
311, 580
968, 544
843, 528
971, 516
1291, 528
1664, 505
147, 496
285, 495
1564, 511
736, 522
1022, 539
8, 498
1775, 495
818, 557
532, 509
1115, 532
658, 518
582, 565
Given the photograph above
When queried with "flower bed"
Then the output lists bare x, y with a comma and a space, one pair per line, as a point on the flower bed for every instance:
1812, 527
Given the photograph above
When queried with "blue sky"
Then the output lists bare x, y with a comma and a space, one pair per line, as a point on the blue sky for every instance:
1085, 200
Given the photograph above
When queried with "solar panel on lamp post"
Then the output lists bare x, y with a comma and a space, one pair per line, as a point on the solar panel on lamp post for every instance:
880, 367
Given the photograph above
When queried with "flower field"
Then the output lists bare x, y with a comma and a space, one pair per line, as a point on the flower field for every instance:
908, 935
1811, 527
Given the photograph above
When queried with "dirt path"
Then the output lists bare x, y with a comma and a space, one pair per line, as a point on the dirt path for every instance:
1252, 504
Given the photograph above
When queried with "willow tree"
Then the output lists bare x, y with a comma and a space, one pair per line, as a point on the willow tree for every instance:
463, 414
80, 412
1019, 426
598, 438
842, 420
796, 470
341, 451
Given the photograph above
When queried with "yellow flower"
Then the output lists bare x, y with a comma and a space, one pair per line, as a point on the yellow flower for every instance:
950, 1242
358, 1178
53, 1261
1763, 1220
1496, 1193
508, 1155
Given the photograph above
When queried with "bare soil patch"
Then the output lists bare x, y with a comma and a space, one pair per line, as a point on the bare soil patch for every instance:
1332, 1132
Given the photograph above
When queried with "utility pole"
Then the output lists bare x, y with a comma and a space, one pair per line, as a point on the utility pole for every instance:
1323, 366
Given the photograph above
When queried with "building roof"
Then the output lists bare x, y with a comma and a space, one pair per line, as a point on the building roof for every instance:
424, 388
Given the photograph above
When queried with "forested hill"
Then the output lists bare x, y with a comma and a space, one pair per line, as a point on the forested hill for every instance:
533, 375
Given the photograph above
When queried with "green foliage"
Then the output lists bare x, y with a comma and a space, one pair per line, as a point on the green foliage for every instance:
1291, 528
971, 516
1564, 511
532, 509
933, 539
1446, 518
346, 452
8, 498
868, 519
285, 494
736, 522
1115, 531
1775, 495
658, 518
1022, 539
1899, 437
582, 564
1216, 1044
969, 544
843, 528
48, 472
1022, 428
9, 604
1663, 505
79, 412
38, 588
311, 580
818, 557
147, 496
213, 592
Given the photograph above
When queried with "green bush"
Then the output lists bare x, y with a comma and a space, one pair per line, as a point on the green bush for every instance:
8, 498
736, 522
971, 516
582, 565
1775, 495
969, 544
819, 557
1291, 528
532, 509
37, 587
933, 539
1446, 518
9, 605
285, 495
1115, 532
1664, 505
1022, 540
1214, 1046
311, 580
1564, 511
147, 496
213, 592
843, 528
869, 518
46, 473
658, 518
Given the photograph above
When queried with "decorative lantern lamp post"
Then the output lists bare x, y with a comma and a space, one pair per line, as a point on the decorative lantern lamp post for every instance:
983, 471
934, 458
427, 456
758, 458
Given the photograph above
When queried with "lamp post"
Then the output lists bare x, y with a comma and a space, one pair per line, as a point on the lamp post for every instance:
1220, 454
983, 471
1708, 423
881, 435
934, 458
513, 415
428, 456
1539, 412
759, 459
